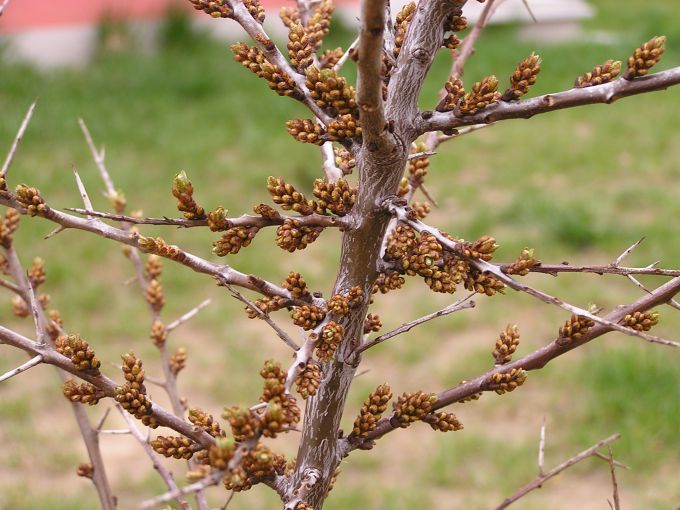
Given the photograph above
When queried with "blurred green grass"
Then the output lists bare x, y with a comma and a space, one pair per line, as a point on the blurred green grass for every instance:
578, 185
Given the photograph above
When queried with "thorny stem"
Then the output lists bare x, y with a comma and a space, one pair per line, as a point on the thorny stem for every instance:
22, 129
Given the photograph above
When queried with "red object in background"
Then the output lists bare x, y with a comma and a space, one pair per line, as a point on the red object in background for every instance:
21, 15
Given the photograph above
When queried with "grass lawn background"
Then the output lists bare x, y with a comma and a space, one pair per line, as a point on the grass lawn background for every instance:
578, 185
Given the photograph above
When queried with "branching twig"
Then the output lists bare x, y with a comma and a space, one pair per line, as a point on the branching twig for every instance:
22, 127
555, 471
486, 267
157, 464
265, 317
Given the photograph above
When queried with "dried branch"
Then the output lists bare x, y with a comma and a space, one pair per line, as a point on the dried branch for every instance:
590, 452
157, 464
22, 368
369, 82
22, 127
606, 93
461, 304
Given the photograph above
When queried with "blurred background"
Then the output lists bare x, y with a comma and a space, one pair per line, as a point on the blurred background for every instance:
158, 87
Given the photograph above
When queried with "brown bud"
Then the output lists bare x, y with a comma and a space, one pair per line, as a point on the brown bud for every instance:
154, 295
600, 74
178, 447
372, 323
524, 263
506, 344
307, 316
296, 285
244, 424
443, 422
523, 78
183, 191
645, 57
178, 360
331, 337
483, 94
372, 410
79, 351
84, 393
133, 371
641, 321
574, 329
30, 198
506, 382
309, 379
292, 235
214, 8
206, 422
233, 240
159, 333
412, 407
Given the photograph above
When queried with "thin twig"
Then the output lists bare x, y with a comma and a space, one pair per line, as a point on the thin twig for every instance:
98, 157
453, 307
9, 285
114, 432
83, 192
245, 220
22, 128
467, 47
556, 470
615, 485
265, 317
229, 498
16, 371
541, 449
345, 55
102, 420
189, 315
212, 479
36, 312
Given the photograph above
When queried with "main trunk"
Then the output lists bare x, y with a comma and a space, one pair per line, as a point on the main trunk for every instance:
379, 176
